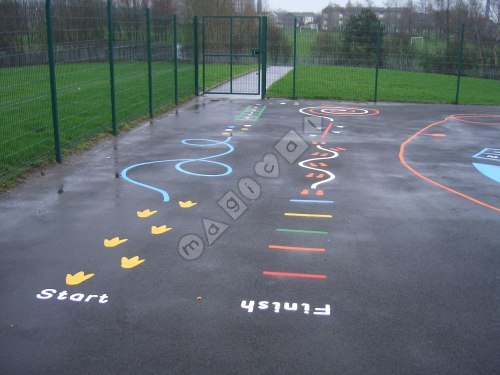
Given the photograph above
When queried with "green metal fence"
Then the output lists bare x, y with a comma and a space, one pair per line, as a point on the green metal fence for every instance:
72, 70
25, 109
459, 65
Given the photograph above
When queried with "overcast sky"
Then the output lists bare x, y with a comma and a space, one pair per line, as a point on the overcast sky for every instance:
311, 5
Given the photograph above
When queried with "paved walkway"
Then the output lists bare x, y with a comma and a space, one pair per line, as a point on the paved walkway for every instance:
249, 83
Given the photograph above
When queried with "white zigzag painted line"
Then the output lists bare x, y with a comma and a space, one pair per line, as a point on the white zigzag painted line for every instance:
332, 176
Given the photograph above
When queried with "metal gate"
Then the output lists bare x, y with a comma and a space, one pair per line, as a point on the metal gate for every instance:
232, 55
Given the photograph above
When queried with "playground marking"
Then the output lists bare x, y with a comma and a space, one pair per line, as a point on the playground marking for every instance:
75, 297
181, 162
458, 117
492, 154
319, 216
187, 204
436, 135
323, 156
326, 111
310, 201
114, 242
213, 229
295, 248
294, 275
251, 113
78, 278
488, 170
328, 128
146, 213
302, 231
160, 230
132, 262
249, 306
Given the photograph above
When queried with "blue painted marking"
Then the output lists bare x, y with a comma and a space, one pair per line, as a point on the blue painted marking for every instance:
182, 162
489, 154
490, 171
310, 201
231, 126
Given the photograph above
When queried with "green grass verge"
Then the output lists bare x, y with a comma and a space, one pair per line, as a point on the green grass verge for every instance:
332, 82
84, 104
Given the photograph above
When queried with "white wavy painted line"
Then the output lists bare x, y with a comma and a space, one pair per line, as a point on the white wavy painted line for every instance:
332, 176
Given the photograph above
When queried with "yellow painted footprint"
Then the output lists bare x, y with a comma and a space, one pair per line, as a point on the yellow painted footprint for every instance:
114, 242
78, 278
187, 204
132, 262
146, 213
160, 230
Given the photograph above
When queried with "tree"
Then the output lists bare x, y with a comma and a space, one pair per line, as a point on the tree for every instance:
324, 44
163, 6
360, 36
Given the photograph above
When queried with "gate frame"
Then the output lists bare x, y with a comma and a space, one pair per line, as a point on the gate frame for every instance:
261, 58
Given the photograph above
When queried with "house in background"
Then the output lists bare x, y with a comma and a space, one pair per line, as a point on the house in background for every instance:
334, 18
284, 20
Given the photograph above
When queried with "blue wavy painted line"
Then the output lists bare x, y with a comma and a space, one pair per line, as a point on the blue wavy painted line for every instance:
181, 162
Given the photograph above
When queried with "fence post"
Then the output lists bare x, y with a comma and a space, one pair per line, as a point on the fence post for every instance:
150, 68
53, 85
294, 93
203, 48
196, 58
111, 66
377, 63
176, 74
264, 56
231, 25
460, 53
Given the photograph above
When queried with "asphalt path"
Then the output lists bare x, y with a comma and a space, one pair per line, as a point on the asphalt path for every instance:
262, 237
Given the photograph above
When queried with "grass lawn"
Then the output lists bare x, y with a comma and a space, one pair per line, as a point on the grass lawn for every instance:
332, 82
84, 104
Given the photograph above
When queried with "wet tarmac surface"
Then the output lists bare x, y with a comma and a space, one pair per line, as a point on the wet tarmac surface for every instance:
262, 236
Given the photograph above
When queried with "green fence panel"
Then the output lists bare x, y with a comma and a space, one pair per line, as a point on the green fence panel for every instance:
162, 62
331, 67
281, 58
82, 71
480, 75
418, 63
101, 57
131, 64
186, 54
216, 42
26, 132
419, 69
196, 56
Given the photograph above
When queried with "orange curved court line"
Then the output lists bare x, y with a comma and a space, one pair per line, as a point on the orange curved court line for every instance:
431, 181
299, 275
462, 117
